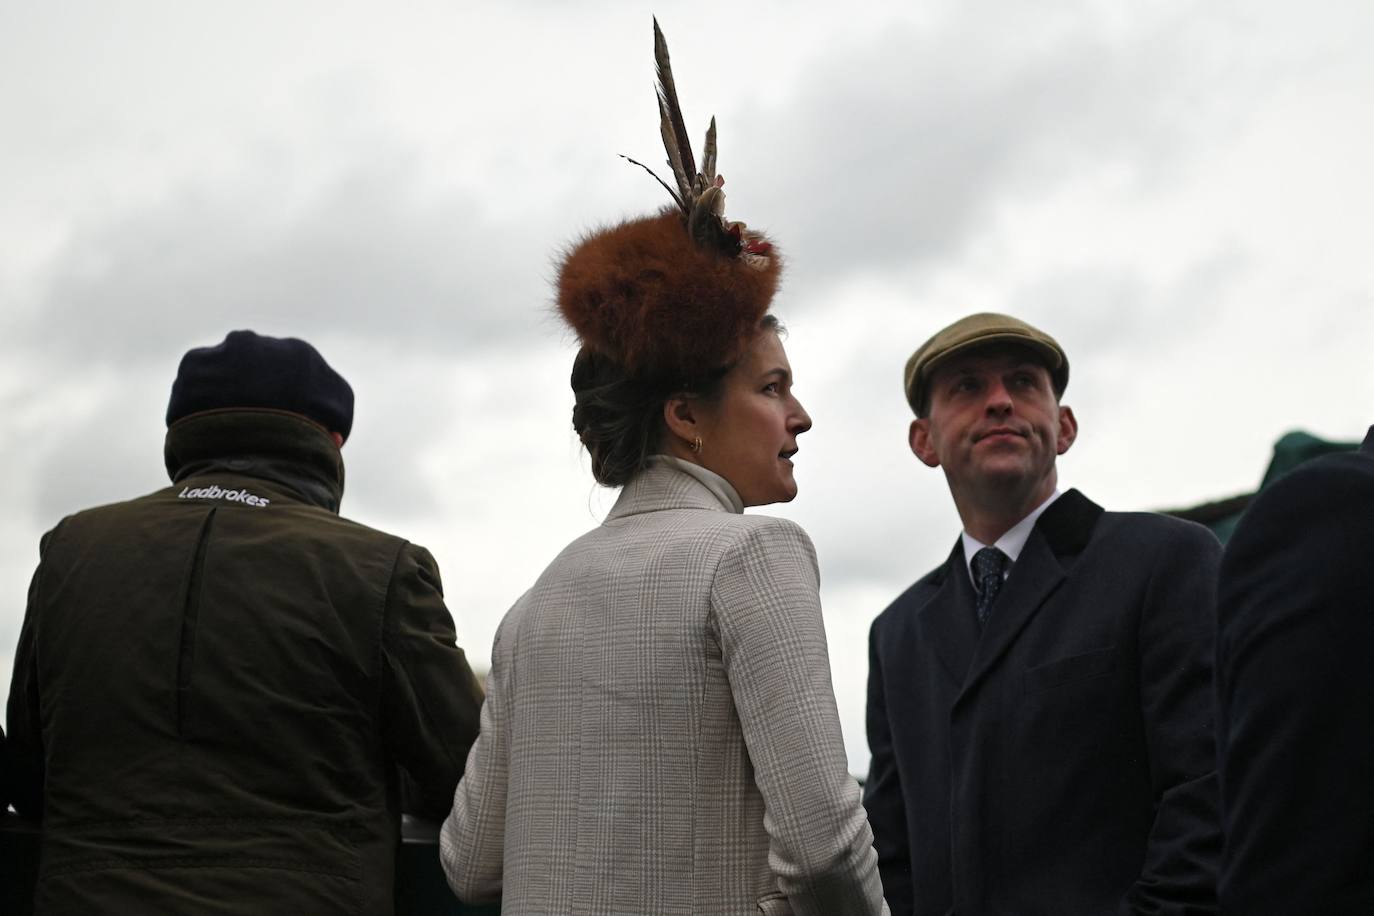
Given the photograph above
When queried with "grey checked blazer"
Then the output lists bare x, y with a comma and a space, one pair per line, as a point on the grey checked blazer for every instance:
660, 733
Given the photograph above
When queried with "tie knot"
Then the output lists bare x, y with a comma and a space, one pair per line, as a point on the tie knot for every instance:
989, 562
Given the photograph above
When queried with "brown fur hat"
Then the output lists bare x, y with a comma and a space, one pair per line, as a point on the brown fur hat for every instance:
663, 307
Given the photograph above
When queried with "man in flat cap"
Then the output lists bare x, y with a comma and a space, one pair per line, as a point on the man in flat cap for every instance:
1295, 694
1039, 706
221, 687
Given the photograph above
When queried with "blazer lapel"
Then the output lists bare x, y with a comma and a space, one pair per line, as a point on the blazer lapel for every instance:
1060, 534
948, 621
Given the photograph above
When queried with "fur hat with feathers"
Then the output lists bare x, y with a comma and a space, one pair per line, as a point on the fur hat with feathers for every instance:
677, 295
645, 295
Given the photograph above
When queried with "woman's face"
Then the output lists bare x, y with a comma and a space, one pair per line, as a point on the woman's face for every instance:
749, 434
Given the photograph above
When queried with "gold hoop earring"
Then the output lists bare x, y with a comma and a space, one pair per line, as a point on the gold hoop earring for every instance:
696, 445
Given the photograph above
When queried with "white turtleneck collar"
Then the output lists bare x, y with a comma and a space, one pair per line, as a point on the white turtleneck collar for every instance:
718, 485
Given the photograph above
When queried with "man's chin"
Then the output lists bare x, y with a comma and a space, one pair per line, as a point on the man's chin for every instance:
1004, 475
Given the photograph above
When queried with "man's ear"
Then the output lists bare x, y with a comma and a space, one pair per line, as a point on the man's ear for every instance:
921, 446
1068, 430
338, 439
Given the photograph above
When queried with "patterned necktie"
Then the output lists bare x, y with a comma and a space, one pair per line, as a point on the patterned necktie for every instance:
988, 565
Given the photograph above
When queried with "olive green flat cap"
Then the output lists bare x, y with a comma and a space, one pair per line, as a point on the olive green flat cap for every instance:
981, 330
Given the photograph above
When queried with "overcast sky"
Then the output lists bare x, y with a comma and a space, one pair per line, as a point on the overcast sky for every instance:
1180, 192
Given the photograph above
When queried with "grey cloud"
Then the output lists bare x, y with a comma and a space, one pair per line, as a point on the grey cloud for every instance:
98, 463
456, 426
82, 438
884, 539
370, 252
898, 151
1109, 316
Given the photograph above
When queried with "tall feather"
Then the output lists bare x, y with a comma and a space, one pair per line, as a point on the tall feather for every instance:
684, 181
675, 131
670, 191
708, 154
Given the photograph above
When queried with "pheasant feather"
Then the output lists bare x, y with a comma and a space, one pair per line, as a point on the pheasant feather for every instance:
670, 191
684, 181
674, 129
708, 154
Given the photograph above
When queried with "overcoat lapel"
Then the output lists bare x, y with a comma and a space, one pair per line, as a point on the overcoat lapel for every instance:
949, 620
1060, 534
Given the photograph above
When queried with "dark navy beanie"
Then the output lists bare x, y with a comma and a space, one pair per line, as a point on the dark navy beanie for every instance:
249, 370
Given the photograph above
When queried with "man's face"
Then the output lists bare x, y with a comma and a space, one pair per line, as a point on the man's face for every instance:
994, 424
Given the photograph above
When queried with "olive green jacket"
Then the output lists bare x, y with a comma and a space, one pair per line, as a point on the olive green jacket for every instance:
215, 685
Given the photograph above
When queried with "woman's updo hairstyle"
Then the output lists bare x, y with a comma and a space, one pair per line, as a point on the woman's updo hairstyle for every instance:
615, 416
618, 417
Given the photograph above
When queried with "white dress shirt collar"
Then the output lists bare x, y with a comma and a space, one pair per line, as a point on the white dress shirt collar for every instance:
1009, 543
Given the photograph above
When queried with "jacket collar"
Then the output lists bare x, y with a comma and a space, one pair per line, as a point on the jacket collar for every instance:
1068, 524
1059, 536
663, 485
280, 447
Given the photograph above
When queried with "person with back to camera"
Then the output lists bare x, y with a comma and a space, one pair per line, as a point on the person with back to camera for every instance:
660, 733
1295, 694
221, 687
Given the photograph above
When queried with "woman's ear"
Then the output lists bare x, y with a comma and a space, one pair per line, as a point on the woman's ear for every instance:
679, 416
